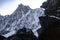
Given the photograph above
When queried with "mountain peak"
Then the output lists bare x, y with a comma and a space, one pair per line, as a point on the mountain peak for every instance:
21, 6
23, 16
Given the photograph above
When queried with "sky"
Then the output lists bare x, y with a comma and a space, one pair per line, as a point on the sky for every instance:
7, 7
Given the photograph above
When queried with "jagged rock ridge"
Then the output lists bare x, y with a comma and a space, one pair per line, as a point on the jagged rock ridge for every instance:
23, 16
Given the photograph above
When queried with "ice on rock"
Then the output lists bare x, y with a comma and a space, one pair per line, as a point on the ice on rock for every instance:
22, 17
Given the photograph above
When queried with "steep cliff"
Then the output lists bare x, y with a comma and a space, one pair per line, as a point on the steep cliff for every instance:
50, 29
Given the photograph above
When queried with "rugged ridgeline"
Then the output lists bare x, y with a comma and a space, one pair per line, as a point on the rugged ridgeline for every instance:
23, 17
50, 29
52, 7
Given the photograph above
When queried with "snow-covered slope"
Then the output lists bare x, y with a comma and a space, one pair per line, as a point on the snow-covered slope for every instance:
23, 16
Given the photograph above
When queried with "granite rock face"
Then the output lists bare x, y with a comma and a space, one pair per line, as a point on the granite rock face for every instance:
22, 17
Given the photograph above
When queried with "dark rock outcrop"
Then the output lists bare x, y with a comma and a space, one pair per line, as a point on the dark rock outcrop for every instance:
44, 5
50, 29
52, 7
2, 37
23, 34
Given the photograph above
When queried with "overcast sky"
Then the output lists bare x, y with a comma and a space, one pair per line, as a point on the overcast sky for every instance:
7, 7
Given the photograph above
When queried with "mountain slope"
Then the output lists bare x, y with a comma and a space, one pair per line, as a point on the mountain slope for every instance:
23, 16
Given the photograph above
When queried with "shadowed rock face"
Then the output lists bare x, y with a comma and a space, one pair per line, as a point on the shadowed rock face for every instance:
52, 7
51, 4
50, 29
44, 5
23, 34
2, 37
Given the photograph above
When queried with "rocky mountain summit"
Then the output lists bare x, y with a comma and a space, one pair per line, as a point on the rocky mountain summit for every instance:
22, 17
